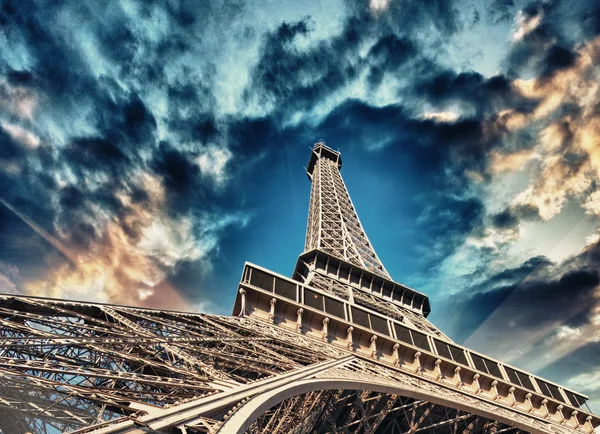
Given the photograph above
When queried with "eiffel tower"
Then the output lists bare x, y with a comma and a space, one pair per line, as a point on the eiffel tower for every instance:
338, 348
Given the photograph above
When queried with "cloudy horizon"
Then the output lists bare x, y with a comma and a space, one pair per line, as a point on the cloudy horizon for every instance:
147, 150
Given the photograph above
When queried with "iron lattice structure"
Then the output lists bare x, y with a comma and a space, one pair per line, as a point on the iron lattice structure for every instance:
333, 224
338, 348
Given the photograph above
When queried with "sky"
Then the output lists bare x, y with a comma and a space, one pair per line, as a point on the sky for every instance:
148, 149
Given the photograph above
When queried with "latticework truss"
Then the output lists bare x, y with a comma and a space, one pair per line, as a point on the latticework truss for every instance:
342, 411
65, 365
333, 224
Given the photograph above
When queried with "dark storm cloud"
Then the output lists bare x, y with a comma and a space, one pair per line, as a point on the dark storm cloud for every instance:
131, 122
590, 257
70, 80
504, 220
90, 78
512, 277
528, 53
531, 296
479, 95
57, 67
96, 153
290, 75
449, 219
125, 129
10, 150
591, 19
549, 46
537, 54
558, 58
436, 146
297, 78
510, 217
583, 361
500, 11
392, 51
26, 187
176, 168
78, 207
181, 176
388, 55
562, 14
192, 111
248, 136
19, 78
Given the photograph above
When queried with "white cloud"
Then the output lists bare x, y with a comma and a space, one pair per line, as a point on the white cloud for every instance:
213, 163
592, 239
21, 135
526, 24
589, 381
10, 168
560, 178
170, 241
493, 238
8, 275
592, 204
378, 5
566, 332
445, 116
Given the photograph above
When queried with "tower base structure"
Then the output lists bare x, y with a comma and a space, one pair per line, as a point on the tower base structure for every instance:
92, 368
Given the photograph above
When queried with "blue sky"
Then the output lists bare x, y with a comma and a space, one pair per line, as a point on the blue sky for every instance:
148, 149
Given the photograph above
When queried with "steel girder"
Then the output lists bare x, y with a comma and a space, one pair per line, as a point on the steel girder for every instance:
66, 365
87, 367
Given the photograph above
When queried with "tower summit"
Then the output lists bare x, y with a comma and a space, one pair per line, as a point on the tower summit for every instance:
339, 347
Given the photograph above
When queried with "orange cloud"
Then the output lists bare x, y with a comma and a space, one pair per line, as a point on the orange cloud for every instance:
119, 268
131, 260
511, 162
21, 135
567, 147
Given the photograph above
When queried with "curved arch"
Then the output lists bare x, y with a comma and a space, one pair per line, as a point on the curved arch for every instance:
245, 415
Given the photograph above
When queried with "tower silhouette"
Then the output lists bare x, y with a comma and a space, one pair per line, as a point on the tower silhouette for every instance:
339, 347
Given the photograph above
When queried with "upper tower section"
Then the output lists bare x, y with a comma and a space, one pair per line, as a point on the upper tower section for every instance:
321, 151
333, 225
